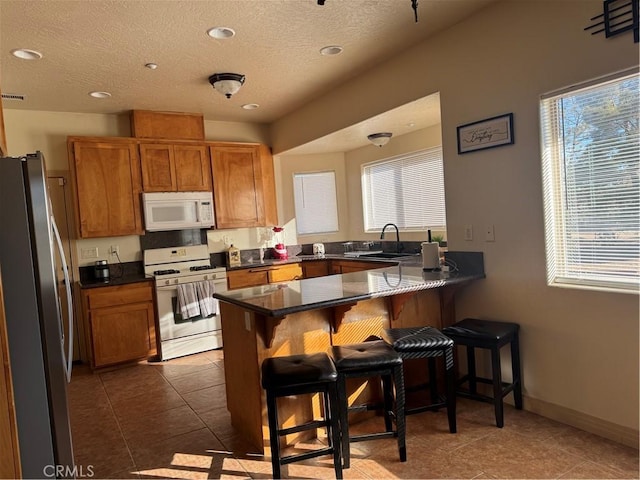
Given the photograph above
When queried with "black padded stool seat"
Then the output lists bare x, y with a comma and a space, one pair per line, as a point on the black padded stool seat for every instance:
371, 359
298, 375
429, 343
492, 335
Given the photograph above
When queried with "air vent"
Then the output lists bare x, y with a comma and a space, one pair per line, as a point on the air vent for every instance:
13, 96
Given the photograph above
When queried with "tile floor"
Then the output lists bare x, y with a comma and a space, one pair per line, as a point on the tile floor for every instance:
169, 420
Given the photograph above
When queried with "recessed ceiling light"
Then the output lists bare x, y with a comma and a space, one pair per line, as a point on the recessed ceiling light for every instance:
151, 66
331, 50
221, 33
26, 54
411, 124
100, 94
250, 106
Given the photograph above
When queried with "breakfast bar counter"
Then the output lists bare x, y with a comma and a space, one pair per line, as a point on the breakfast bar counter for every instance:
310, 315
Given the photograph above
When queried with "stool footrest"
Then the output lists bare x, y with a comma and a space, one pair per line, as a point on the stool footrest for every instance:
366, 407
506, 386
372, 436
307, 455
302, 427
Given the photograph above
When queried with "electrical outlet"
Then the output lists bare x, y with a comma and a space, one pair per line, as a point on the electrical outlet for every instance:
114, 250
489, 234
91, 252
468, 232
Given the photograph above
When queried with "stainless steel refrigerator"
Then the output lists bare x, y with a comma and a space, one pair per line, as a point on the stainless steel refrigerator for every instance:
40, 366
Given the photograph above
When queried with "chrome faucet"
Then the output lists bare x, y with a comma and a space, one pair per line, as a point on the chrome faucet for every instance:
397, 235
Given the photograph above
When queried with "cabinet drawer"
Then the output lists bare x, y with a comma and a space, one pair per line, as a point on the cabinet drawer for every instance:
247, 278
119, 295
285, 273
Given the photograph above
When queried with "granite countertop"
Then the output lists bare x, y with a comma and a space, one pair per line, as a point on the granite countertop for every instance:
279, 299
306, 258
119, 274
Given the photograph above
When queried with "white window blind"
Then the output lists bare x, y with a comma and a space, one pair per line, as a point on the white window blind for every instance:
590, 163
407, 190
315, 202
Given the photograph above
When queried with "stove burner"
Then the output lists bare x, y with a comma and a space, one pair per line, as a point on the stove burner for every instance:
200, 267
165, 272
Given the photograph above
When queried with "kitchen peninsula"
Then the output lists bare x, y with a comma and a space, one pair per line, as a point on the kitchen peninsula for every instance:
310, 315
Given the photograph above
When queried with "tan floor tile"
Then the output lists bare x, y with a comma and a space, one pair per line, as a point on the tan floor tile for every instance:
198, 452
505, 454
207, 399
592, 447
214, 355
593, 470
157, 426
156, 400
121, 389
204, 378
107, 455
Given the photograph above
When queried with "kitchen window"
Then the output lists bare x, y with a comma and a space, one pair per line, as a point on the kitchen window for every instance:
591, 187
407, 190
315, 201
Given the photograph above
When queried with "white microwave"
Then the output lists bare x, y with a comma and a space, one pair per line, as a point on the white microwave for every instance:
177, 210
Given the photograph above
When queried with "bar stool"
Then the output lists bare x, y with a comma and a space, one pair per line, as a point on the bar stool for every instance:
491, 335
298, 375
429, 343
371, 359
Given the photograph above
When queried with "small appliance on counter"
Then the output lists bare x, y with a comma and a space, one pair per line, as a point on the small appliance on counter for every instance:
101, 270
430, 254
233, 256
318, 249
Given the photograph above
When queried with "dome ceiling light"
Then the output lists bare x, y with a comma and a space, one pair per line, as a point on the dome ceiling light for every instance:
414, 5
380, 139
226, 83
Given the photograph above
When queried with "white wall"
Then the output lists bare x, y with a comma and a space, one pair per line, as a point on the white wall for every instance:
579, 348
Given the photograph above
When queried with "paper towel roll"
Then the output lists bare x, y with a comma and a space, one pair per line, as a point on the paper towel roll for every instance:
430, 256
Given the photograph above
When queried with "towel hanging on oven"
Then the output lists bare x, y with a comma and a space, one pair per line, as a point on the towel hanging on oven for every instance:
208, 304
188, 305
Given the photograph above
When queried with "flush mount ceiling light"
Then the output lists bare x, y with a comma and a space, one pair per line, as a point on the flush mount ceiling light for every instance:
226, 83
26, 54
380, 139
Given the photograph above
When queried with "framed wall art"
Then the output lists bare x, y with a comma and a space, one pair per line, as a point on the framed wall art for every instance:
488, 133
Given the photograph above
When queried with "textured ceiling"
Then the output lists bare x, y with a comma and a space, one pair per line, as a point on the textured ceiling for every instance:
103, 45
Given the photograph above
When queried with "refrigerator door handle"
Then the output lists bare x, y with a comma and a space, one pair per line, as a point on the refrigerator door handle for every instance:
67, 284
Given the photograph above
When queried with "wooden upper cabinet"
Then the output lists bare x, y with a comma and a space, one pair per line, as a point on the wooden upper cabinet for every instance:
243, 186
170, 125
171, 168
107, 184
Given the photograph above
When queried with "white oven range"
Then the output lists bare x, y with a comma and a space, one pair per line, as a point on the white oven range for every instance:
184, 268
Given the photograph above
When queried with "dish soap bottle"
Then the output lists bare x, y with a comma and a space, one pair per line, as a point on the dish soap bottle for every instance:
233, 256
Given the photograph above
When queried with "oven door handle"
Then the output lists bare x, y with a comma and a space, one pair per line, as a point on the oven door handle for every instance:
173, 286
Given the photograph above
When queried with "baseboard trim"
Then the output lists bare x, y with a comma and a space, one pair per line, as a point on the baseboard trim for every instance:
612, 431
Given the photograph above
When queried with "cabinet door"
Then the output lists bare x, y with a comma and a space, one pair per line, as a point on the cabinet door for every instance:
122, 333
316, 268
247, 278
192, 168
235, 188
285, 273
158, 171
107, 186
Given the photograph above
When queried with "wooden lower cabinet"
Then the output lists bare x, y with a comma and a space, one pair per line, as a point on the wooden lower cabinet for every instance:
254, 277
348, 266
316, 268
121, 323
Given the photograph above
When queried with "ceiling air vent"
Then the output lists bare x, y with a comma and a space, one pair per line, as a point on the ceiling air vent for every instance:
13, 96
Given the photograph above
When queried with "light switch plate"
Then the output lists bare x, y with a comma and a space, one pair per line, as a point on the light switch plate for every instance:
489, 234
468, 232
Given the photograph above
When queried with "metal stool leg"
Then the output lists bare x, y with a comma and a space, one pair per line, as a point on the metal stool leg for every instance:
387, 388
433, 384
497, 385
344, 421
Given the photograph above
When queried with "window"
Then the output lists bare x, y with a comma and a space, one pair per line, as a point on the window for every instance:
590, 166
407, 190
315, 202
